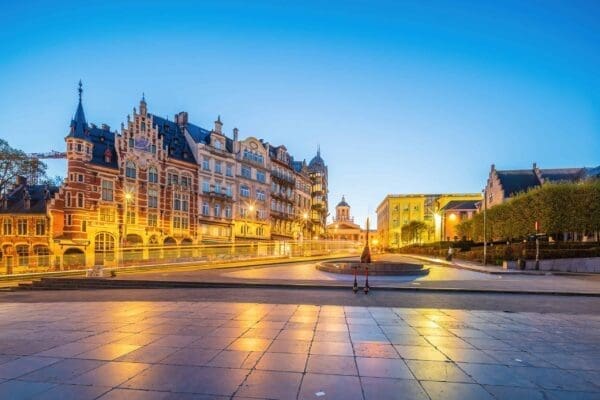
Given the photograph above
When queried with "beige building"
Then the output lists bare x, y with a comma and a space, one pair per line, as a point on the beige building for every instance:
343, 226
403, 219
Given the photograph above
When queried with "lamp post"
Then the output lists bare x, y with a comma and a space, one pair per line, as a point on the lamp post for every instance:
485, 226
128, 197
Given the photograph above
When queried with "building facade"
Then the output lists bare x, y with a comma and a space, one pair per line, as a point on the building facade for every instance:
318, 173
408, 218
343, 227
501, 185
155, 183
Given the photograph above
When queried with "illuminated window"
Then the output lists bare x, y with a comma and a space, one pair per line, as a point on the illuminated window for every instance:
21, 227
107, 190
152, 220
40, 227
176, 201
130, 170
130, 216
205, 209
7, 226
152, 198
244, 191
152, 175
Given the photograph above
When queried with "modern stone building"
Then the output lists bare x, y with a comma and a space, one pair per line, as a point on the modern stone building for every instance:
396, 212
155, 183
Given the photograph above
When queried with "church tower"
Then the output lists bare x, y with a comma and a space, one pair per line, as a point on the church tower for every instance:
342, 211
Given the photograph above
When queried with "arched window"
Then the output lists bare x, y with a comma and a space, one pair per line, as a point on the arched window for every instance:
23, 254
152, 175
130, 170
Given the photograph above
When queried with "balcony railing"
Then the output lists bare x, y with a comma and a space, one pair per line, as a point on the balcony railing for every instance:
283, 177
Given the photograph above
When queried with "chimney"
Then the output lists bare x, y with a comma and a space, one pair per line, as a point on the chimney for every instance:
235, 134
181, 118
534, 165
493, 167
21, 180
218, 124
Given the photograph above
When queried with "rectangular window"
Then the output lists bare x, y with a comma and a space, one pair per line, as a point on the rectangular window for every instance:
206, 164
244, 191
186, 181
228, 212
68, 219
176, 222
106, 215
185, 223
7, 226
229, 170
172, 179
152, 198
79, 178
205, 186
218, 210
153, 220
130, 217
185, 203
229, 191
246, 172
22, 227
40, 227
218, 167
176, 201
107, 190
261, 177
205, 209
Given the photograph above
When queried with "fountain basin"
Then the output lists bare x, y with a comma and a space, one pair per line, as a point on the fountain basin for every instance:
375, 268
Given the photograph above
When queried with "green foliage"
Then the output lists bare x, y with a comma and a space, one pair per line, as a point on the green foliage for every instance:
559, 208
14, 163
413, 231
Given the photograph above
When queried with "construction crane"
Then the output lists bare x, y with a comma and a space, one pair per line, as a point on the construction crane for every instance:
33, 175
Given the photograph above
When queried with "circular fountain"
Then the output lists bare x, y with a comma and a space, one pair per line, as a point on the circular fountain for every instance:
375, 268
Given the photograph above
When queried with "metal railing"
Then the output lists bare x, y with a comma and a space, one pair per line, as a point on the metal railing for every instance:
174, 255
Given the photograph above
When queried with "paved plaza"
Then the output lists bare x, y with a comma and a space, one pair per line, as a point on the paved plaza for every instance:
222, 350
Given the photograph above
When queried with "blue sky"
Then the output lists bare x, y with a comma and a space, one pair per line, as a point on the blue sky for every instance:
401, 97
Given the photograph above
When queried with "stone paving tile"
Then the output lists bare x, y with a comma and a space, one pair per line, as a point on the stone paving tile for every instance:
271, 385
332, 387
380, 350
71, 392
455, 391
336, 365
511, 392
235, 359
149, 354
289, 346
496, 375
15, 390
287, 362
420, 353
108, 352
296, 334
392, 389
443, 371
383, 368
189, 379
332, 348
24, 365
132, 394
468, 355
553, 378
564, 395
190, 356
109, 374
62, 371
250, 344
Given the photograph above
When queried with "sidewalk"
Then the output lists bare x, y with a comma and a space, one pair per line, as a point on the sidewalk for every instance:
488, 269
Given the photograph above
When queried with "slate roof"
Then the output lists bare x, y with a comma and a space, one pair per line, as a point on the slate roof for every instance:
317, 163
38, 195
201, 135
174, 142
592, 172
517, 181
469, 205
343, 203
563, 174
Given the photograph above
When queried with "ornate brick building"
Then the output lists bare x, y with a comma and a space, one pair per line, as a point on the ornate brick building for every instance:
156, 183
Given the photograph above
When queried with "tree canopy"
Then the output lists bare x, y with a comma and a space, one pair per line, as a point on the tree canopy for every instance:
14, 163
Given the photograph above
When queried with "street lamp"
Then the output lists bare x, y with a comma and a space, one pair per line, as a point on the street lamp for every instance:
128, 198
485, 226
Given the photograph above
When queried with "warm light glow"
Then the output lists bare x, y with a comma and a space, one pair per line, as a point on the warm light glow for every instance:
128, 196
375, 242
305, 215
452, 217
251, 208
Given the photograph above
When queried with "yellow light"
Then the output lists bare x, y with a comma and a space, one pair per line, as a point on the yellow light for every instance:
452, 217
128, 196
305, 215
375, 242
251, 208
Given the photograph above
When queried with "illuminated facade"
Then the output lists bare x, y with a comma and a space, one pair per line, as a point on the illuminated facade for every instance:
343, 226
156, 183
396, 212
318, 173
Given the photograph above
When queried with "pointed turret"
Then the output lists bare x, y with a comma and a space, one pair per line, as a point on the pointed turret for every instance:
143, 105
78, 123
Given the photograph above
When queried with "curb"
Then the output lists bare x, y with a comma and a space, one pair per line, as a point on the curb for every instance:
107, 283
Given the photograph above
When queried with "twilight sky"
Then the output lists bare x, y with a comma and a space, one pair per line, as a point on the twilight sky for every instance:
402, 97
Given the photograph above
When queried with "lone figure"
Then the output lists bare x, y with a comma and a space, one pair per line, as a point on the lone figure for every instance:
450, 253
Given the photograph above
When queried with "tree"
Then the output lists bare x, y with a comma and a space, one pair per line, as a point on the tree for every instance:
14, 163
412, 231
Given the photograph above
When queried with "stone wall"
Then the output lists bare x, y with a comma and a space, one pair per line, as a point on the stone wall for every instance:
589, 265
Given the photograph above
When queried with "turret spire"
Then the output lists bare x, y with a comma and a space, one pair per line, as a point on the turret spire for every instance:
79, 124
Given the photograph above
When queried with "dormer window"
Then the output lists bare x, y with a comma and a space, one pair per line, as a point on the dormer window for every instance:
218, 145
107, 155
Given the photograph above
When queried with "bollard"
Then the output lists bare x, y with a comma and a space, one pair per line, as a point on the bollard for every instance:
366, 280
355, 287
